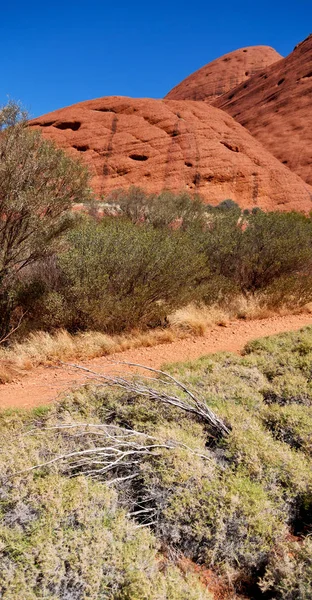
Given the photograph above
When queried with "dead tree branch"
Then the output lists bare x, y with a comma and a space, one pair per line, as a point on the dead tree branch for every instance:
116, 457
190, 403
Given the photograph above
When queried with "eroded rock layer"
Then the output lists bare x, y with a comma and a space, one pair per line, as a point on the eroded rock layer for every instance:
276, 106
165, 144
224, 73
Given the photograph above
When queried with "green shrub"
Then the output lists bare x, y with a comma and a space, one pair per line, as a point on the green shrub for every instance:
159, 210
274, 245
291, 424
64, 538
288, 291
289, 388
116, 275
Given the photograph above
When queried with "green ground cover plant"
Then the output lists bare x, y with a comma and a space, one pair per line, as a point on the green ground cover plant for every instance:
239, 503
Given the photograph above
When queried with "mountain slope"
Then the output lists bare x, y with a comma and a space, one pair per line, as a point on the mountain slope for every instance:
224, 73
276, 107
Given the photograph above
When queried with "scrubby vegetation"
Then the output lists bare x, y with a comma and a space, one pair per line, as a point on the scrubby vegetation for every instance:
154, 255
239, 503
132, 258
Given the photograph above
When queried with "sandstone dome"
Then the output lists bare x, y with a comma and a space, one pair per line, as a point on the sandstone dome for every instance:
276, 107
174, 145
224, 73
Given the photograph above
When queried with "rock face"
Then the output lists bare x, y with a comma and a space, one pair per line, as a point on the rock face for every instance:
223, 74
165, 144
276, 106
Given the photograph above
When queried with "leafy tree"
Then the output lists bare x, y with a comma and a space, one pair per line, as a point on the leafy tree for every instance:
38, 186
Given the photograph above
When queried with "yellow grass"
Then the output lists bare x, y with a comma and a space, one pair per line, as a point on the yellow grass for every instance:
196, 319
44, 348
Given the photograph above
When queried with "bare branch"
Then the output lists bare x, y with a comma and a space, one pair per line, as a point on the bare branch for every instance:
8, 335
191, 404
117, 459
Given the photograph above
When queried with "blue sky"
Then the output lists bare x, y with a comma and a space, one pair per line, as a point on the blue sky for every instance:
58, 53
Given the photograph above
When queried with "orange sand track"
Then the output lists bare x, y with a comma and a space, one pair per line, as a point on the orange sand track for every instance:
45, 384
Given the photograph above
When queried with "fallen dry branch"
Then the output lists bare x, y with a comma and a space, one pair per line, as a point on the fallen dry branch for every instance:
113, 453
190, 403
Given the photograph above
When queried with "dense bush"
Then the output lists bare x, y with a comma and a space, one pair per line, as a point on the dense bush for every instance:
159, 210
234, 504
115, 275
289, 572
274, 245
155, 253
67, 539
260, 249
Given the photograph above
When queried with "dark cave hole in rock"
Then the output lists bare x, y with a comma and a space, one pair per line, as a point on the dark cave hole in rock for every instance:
140, 157
307, 75
230, 147
244, 50
285, 162
247, 73
73, 125
47, 124
281, 81
188, 164
104, 110
81, 148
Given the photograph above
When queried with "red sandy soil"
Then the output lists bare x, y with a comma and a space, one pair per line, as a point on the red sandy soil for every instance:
46, 384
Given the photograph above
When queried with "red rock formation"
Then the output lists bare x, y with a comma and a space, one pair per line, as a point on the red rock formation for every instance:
159, 144
224, 73
276, 106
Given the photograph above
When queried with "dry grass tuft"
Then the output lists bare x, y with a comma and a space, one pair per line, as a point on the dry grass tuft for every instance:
42, 348
197, 319
251, 307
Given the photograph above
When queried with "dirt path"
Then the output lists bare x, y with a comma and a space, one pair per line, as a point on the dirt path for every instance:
45, 384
